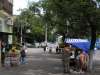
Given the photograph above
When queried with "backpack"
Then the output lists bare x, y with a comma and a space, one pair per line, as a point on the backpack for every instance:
23, 54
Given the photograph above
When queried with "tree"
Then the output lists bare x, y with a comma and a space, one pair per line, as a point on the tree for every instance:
31, 21
82, 15
36, 8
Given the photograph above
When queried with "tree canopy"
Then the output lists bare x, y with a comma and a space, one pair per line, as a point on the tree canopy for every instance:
70, 18
28, 20
73, 18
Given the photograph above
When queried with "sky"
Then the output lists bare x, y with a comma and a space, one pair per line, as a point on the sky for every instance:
20, 4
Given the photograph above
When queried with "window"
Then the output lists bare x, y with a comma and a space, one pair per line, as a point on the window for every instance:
11, 1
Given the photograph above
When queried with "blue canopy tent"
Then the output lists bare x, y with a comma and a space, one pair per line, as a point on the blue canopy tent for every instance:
83, 44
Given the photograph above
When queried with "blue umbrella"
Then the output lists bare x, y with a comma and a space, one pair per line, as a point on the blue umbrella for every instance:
83, 44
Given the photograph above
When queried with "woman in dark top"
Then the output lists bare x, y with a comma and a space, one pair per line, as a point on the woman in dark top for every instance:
2, 53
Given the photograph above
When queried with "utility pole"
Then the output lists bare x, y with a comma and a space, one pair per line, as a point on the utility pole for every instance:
46, 34
21, 35
67, 23
21, 29
28, 2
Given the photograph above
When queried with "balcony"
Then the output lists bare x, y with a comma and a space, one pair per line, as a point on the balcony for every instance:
6, 6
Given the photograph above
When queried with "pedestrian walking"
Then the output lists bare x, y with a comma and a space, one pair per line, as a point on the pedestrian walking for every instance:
44, 49
23, 54
57, 49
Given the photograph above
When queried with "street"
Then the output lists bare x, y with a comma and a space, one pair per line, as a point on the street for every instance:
40, 63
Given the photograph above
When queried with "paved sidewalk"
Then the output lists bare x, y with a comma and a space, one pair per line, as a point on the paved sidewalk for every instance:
40, 63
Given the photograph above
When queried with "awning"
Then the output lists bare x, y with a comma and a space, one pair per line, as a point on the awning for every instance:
83, 44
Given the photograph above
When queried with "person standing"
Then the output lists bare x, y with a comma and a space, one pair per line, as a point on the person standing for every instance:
83, 60
78, 60
66, 56
2, 53
23, 54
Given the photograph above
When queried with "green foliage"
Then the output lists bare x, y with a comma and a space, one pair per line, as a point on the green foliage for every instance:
31, 21
78, 13
73, 18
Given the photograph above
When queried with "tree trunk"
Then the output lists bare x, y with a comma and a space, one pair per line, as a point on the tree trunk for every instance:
92, 45
90, 64
63, 39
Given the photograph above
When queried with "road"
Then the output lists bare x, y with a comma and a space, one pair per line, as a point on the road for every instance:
40, 63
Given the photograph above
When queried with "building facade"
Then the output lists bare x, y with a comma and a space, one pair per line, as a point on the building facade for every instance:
6, 21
